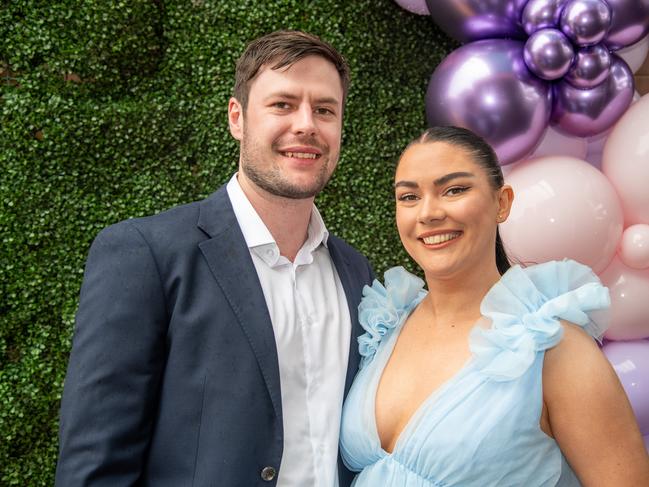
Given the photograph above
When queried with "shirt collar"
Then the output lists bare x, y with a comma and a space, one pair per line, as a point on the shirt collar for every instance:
255, 232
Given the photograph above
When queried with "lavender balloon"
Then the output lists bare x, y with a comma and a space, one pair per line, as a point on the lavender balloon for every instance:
540, 14
471, 20
631, 363
590, 68
629, 22
484, 86
586, 22
588, 112
418, 7
548, 54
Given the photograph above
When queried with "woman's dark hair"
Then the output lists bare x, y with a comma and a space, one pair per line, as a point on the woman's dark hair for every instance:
483, 155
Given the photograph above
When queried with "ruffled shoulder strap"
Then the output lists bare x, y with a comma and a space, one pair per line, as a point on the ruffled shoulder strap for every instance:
383, 307
525, 307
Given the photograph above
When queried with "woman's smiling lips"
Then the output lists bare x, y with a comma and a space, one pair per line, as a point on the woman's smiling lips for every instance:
439, 238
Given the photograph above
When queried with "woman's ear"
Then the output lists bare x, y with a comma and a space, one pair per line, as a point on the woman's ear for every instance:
505, 200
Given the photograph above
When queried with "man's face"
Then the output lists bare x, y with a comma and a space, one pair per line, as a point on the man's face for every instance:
290, 131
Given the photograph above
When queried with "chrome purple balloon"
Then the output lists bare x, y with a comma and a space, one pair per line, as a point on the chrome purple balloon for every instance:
540, 14
588, 112
586, 22
485, 86
548, 54
471, 20
590, 68
629, 23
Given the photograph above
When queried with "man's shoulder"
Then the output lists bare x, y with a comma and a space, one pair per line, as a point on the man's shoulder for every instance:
169, 227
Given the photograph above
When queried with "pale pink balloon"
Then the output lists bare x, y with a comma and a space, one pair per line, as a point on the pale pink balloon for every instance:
634, 247
563, 208
418, 7
629, 290
635, 54
625, 161
555, 143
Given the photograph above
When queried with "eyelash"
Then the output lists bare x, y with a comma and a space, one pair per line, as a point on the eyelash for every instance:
453, 191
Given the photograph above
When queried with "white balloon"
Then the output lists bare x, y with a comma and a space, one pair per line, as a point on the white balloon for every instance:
418, 7
635, 54
555, 143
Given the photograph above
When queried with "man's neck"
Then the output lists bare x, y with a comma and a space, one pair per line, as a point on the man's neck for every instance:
287, 219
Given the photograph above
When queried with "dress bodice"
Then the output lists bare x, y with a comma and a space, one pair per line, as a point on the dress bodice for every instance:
481, 427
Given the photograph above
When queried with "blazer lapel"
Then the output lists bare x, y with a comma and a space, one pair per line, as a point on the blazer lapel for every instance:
229, 260
353, 290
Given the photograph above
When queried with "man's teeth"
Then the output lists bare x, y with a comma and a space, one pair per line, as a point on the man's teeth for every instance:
441, 238
301, 155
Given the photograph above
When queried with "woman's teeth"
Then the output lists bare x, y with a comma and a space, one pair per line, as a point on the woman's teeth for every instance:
441, 238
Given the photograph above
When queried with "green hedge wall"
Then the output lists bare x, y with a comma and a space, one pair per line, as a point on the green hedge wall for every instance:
116, 109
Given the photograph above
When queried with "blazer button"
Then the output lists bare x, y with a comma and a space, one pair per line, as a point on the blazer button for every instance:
268, 473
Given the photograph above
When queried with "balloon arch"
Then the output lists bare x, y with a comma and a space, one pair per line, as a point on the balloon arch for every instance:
549, 84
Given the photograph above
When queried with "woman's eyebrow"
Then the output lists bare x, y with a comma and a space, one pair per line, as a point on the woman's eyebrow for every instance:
448, 177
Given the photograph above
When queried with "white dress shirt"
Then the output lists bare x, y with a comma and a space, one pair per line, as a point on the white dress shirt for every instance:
312, 327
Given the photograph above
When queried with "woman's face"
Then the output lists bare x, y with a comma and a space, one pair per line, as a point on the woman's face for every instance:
447, 211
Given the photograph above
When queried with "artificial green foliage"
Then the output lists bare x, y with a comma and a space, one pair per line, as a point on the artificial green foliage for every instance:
116, 109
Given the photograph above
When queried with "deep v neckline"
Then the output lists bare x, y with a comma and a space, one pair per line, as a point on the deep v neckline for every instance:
429, 399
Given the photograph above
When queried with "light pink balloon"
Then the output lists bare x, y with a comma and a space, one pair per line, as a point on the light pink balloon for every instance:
555, 143
629, 290
563, 208
625, 161
634, 247
635, 54
418, 7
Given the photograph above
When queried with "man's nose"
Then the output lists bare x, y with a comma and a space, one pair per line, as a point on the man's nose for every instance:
304, 122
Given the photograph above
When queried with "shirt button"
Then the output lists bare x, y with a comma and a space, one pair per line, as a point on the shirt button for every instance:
268, 473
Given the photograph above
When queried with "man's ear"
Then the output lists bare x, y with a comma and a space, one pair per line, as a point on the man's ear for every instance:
235, 118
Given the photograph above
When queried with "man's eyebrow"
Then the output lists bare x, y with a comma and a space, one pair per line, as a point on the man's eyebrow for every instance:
326, 100
454, 175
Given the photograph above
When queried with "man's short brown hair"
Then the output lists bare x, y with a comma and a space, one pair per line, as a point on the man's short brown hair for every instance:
282, 49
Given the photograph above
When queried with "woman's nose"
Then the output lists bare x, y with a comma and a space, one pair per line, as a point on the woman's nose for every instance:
431, 210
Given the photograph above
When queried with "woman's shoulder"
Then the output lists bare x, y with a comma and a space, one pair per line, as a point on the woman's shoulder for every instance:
384, 306
527, 307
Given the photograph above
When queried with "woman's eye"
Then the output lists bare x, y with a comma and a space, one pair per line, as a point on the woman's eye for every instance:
455, 190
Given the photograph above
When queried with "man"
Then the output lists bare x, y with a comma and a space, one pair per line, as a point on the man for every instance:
215, 341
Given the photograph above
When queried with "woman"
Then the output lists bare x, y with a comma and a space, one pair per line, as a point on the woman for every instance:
487, 379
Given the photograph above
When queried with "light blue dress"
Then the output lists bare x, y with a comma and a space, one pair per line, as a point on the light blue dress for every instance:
481, 427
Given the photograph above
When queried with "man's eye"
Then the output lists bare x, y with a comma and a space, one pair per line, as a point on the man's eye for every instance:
281, 105
324, 111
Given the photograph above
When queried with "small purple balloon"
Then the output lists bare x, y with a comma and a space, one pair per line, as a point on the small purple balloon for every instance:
590, 68
584, 113
586, 22
472, 20
418, 7
629, 22
540, 14
631, 363
485, 86
548, 54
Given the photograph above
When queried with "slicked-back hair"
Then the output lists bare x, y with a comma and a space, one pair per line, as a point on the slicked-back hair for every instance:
483, 155
281, 49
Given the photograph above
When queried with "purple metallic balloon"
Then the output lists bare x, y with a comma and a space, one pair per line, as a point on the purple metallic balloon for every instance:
585, 113
630, 360
472, 20
540, 14
629, 22
548, 54
485, 86
590, 68
586, 22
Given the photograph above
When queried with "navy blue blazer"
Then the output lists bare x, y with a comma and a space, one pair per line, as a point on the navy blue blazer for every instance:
173, 377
